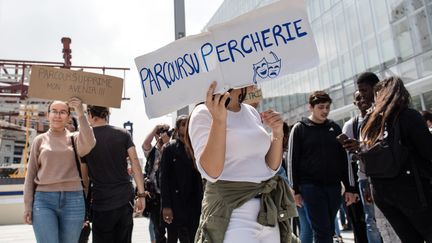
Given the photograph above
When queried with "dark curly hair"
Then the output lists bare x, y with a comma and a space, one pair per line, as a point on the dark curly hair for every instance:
98, 111
391, 97
368, 78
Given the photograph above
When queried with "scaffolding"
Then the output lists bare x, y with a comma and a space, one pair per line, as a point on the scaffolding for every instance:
16, 108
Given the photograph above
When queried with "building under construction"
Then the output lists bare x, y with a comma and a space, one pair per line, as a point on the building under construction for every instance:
21, 119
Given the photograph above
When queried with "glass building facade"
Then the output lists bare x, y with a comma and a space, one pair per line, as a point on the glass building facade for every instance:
387, 37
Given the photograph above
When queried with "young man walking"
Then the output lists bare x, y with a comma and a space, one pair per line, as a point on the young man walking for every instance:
112, 191
317, 164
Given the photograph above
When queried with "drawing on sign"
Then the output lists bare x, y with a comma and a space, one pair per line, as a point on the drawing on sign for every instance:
264, 69
248, 49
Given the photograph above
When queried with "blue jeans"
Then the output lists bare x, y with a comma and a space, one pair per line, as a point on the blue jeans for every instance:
282, 173
58, 216
322, 204
337, 229
372, 231
306, 235
151, 231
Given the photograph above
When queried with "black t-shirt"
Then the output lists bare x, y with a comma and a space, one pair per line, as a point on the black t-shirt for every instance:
108, 168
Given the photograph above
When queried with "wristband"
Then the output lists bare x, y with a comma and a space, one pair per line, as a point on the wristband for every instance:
276, 138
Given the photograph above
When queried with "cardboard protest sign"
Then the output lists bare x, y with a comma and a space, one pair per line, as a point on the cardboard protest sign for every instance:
261, 45
253, 96
62, 84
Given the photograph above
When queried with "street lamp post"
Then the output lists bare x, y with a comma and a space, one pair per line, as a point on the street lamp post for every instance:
128, 126
180, 32
179, 19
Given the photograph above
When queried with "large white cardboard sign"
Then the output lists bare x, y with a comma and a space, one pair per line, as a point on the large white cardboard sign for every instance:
258, 46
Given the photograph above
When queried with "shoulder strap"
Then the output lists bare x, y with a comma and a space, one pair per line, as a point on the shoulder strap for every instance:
355, 127
88, 197
77, 160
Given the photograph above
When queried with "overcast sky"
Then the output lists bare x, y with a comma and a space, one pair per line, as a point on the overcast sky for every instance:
107, 33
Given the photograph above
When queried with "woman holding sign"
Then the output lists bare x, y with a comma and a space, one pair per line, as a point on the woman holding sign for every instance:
243, 200
53, 194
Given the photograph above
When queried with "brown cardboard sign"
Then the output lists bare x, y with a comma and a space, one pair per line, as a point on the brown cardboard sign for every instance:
62, 84
253, 96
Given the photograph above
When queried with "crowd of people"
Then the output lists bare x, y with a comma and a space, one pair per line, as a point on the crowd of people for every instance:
228, 173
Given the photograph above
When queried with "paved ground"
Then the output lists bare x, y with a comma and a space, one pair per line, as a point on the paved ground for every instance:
24, 233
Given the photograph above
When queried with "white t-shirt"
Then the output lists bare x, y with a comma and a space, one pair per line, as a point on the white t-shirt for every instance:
247, 143
349, 131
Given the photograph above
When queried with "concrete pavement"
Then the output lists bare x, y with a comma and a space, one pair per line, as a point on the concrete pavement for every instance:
24, 233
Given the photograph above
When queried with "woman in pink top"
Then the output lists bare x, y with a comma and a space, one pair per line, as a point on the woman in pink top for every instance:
53, 198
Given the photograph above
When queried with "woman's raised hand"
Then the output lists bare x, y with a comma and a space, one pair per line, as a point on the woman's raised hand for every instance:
77, 105
274, 120
216, 103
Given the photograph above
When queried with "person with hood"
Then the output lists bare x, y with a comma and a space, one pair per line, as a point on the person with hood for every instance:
317, 165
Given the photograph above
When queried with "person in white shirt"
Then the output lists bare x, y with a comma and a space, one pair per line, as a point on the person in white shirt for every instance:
230, 143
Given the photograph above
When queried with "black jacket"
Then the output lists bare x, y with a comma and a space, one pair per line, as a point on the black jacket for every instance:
416, 136
150, 162
315, 156
181, 184
148, 168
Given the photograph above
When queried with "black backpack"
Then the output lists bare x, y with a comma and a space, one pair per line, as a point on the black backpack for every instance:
387, 157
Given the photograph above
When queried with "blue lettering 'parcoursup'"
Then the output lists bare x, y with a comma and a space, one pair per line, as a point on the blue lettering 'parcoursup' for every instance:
164, 74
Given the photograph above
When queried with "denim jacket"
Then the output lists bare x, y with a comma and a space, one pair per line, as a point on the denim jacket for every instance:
222, 197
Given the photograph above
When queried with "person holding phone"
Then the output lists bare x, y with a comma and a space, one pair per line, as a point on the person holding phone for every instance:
362, 213
377, 226
317, 163
152, 166
239, 160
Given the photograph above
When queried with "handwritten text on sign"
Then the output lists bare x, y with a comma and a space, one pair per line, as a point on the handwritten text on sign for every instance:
187, 65
62, 84
261, 45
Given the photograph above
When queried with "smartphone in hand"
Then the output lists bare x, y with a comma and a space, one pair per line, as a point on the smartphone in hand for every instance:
342, 138
228, 100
